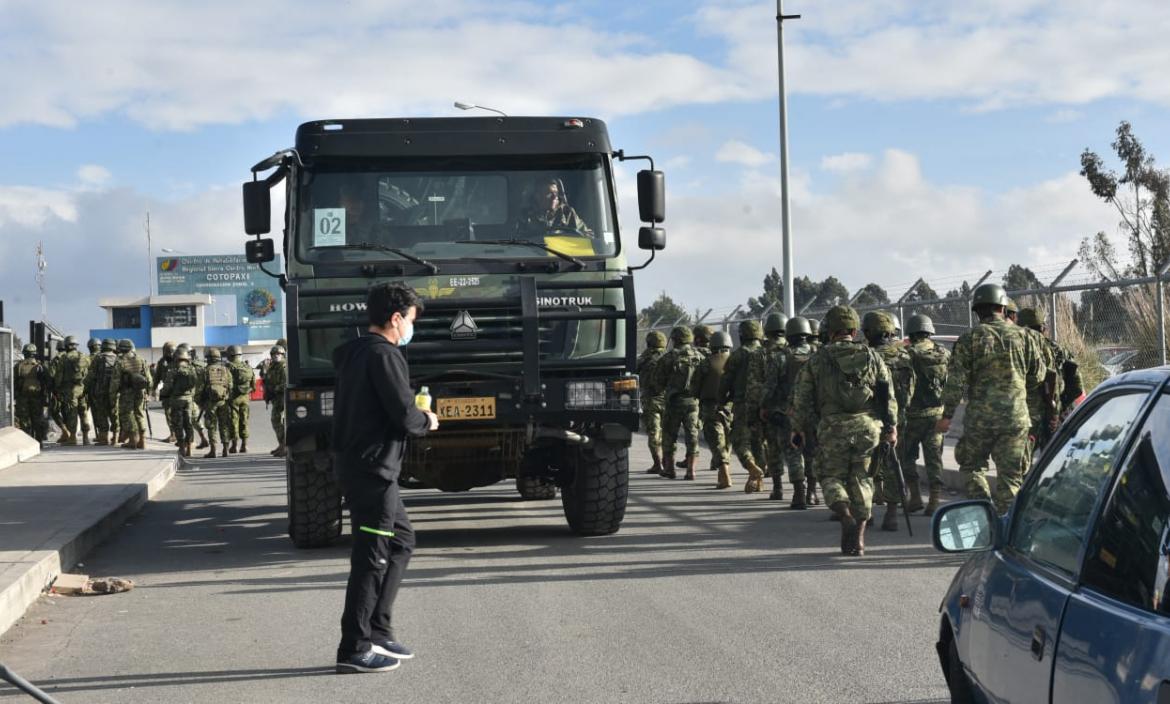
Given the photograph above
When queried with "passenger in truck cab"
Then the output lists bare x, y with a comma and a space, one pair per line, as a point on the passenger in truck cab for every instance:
550, 212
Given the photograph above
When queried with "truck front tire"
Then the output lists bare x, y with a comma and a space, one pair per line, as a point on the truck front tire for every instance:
314, 501
594, 497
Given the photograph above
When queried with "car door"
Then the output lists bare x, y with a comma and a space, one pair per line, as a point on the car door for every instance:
1016, 610
1115, 639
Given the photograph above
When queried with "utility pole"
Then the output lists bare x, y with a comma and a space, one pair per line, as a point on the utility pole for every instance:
149, 257
785, 216
41, 265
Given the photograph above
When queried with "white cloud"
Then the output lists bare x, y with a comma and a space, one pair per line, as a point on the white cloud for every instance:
843, 163
737, 152
93, 176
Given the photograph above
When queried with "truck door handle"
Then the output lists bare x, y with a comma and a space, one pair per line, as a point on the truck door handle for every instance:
1038, 638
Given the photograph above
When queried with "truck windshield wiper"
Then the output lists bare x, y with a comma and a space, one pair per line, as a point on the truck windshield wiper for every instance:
529, 243
431, 266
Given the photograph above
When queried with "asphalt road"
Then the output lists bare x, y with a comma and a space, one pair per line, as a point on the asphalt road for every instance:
703, 596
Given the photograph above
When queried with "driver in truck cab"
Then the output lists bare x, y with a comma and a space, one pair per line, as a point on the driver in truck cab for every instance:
550, 212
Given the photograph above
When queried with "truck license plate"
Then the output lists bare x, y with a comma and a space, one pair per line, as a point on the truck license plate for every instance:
471, 408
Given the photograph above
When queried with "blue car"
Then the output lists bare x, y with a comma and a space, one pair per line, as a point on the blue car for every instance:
1065, 598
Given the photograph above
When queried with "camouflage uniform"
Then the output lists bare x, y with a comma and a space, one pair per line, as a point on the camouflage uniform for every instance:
162, 370
130, 381
674, 373
97, 387
243, 382
993, 366
746, 427
778, 399
69, 383
836, 396
563, 217
213, 389
653, 398
275, 384
879, 330
714, 414
30, 383
179, 387
929, 362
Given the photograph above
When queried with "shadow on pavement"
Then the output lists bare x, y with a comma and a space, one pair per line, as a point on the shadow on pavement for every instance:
169, 679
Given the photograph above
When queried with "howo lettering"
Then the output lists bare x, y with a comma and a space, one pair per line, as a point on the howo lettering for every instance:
508, 229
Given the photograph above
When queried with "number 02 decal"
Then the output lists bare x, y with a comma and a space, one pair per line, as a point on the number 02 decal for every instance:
328, 227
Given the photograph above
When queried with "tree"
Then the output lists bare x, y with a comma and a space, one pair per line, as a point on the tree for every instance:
832, 292
804, 291
1141, 195
1020, 278
773, 295
872, 295
664, 311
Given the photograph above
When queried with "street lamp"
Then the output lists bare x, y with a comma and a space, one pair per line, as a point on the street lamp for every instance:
470, 106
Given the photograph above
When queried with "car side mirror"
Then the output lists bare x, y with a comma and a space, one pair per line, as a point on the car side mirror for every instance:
259, 251
651, 238
965, 526
652, 196
257, 208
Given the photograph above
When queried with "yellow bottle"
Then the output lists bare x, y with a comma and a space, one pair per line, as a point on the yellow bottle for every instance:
423, 399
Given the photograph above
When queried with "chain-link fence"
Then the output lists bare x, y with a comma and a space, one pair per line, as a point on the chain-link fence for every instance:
7, 362
1111, 325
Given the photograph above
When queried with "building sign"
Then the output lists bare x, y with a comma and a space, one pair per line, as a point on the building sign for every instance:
241, 293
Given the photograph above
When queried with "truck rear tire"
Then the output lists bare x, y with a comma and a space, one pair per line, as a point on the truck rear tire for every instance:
314, 501
535, 488
595, 496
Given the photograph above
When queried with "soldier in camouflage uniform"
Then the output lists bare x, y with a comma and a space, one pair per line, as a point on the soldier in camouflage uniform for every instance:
675, 373
746, 431
815, 340
880, 332
929, 362
992, 367
714, 414
69, 383
51, 387
243, 382
214, 390
180, 390
763, 377
84, 409
778, 398
653, 399
196, 411
130, 381
838, 394
97, 389
702, 334
275, 384
161, 371
30, 383
1063, 386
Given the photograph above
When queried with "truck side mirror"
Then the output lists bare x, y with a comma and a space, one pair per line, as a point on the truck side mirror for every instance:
651, 196
259, 251
651, 238
257, 209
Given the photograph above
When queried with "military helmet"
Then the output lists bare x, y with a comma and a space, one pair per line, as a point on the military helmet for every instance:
282, 343
70, 342
991, 294
702, 333
182, 355
93, 344
276, 349
720, 340
109, 345
815, 326
750, 330
125, 345
168, 347
919, 323
895, 320
29, 350
183, 346
681, 335
841, 319
234, 351
1011, 307
797, 325
1030, 318
655, 340
877, 321
212, 353
775, 322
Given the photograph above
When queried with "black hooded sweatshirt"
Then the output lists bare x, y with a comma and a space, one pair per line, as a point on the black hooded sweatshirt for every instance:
373, 410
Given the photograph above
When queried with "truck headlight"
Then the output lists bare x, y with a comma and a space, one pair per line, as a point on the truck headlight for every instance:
585, 394
327, 403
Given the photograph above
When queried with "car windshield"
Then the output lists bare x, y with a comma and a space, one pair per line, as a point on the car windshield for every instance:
439, 209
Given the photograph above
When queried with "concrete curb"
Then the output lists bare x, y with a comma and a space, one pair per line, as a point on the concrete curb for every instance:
76, 538
16, 446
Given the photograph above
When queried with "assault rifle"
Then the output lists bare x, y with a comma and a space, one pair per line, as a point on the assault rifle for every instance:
886, 451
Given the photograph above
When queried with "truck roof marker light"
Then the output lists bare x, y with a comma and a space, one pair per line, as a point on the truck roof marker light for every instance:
333, 127
574, 123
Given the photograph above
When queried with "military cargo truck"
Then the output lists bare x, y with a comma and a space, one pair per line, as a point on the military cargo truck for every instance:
508, 228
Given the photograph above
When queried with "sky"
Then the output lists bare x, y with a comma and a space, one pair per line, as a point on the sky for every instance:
927, 138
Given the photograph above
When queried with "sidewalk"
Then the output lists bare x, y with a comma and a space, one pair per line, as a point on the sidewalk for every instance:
59, 505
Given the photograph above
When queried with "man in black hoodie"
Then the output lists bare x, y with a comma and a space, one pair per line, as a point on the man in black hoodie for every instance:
374, 414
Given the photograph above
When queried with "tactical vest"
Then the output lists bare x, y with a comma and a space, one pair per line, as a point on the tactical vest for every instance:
219, 382
182, 381
743, 366
243, 379
646, 374
28, 377
134, 372
708, 386
69, 369
930, 364
683, 364
105, 364
794, 360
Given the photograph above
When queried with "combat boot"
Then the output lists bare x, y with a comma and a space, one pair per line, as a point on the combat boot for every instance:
223, 449
915, 502
656, 455
798, 500
280, 451
777, 488
724, 479
243, 446
755, 481
932, 502
890, 520
131, 441
202, 441
859, 539
810, 495
681, 464
879, 491
690, 466
171, 438
848, 526
100, 439
232, 448
85, 437
210, 453
667, 470
141, 443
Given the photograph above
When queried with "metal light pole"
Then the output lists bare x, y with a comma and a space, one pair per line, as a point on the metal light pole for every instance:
471, 106
41, 266
786, 220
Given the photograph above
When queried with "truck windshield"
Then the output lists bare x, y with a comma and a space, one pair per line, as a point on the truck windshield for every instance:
439, 208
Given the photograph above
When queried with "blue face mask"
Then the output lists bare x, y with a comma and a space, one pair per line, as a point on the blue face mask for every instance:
404, 339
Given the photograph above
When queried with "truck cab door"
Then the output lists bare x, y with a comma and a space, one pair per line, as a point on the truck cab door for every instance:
1017, 611
1115, 641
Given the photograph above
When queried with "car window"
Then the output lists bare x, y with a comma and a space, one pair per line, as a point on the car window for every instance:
1052, 517
1128, 557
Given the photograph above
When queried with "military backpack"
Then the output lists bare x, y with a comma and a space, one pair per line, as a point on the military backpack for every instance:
104, 374
243, 379
794, 361
931, 367
219, 382
69, 369
856, 374
28, 375
683, 364
706, 387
